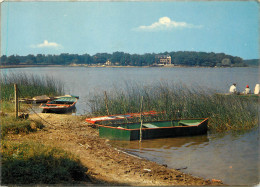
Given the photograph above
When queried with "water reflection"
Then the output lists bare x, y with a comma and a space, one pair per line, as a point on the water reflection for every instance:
230, 157
164, 143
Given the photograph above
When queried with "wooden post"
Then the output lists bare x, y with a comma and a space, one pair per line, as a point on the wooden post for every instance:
16, 100
141, 119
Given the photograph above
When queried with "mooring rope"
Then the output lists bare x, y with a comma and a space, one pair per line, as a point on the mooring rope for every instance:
33, 109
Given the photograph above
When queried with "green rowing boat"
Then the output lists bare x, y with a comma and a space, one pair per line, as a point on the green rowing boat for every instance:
155, 129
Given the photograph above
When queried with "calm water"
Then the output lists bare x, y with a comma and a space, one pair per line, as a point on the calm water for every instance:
83, 81
232, 158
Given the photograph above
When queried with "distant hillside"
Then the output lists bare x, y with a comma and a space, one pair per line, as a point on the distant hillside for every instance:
252, 62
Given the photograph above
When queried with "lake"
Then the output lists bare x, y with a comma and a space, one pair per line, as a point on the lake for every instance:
84, 81
232, 158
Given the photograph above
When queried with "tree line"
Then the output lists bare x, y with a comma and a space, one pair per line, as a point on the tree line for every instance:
184, 58
252, 62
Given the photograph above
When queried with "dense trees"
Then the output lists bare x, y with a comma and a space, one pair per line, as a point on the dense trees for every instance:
252, 62
185, 58
13, 60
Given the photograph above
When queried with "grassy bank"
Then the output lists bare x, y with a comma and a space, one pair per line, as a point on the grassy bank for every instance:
29, 85
179, 101
33, 163
28, 162
11, 125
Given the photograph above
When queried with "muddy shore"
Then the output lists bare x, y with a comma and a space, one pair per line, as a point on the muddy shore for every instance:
106, 165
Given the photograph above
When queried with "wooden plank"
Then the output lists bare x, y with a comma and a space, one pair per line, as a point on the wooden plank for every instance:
149, 125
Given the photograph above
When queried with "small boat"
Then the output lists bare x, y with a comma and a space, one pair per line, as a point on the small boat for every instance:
37, 99
60, 105
241, 95
155, 129
118, 117
41, 99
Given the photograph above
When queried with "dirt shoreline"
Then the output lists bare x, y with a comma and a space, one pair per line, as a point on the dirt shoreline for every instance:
106, 165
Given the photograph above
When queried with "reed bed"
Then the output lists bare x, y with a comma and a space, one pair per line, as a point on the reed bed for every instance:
33, 163
179, 101
29, 85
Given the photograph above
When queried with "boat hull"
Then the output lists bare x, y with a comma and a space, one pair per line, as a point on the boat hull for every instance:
240, 95
60, 105
58, 110
154, 130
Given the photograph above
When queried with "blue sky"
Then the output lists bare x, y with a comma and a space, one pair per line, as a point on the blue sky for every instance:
132, 27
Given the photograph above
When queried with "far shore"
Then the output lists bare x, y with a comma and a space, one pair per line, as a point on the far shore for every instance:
28, 66
104, 66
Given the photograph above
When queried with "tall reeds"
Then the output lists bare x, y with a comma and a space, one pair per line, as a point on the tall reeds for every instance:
29, 85
180, 101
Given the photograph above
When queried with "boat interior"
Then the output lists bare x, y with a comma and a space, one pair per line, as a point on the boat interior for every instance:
158, 124
61, 102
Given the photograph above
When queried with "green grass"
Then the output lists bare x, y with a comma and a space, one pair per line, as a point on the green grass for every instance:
29, 85
33, 163
9, 124
9, 107
179, 101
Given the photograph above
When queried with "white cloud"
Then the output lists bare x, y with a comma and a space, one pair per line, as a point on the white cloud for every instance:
165, 23
47, 44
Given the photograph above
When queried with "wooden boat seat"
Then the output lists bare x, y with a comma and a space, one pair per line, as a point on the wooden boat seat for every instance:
149, 125
188, 124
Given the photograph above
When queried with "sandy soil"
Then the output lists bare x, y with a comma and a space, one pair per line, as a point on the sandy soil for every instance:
106, 165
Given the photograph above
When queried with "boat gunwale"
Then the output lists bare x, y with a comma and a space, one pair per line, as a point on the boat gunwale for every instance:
132, 115
74, 99
121, 128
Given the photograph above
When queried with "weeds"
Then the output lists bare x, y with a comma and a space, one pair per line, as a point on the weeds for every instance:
179, 101
8, 106
10, 124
